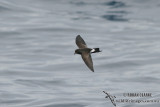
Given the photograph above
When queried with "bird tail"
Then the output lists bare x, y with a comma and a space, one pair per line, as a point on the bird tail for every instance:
94, 50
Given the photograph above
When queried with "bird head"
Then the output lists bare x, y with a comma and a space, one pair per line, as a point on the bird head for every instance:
77, 52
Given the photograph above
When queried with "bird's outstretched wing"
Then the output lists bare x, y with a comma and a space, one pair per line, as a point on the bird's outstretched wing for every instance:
80, 42
88, 60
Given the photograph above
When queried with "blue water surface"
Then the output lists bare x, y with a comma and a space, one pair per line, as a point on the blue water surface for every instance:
38, 67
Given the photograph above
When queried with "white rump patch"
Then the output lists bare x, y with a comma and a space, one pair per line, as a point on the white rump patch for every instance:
93, 50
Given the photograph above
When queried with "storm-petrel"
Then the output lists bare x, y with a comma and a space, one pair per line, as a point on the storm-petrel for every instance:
85, 52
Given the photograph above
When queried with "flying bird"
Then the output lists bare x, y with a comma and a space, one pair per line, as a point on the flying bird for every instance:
85, 52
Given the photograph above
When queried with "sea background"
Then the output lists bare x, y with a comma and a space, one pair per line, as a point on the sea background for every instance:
38, 67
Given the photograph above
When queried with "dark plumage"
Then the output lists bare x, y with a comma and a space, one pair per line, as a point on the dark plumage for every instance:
85, 52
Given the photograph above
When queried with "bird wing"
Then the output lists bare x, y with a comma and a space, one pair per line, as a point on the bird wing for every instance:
80, 42
88, 60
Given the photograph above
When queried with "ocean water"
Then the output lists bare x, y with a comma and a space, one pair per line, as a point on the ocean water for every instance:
38, 67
